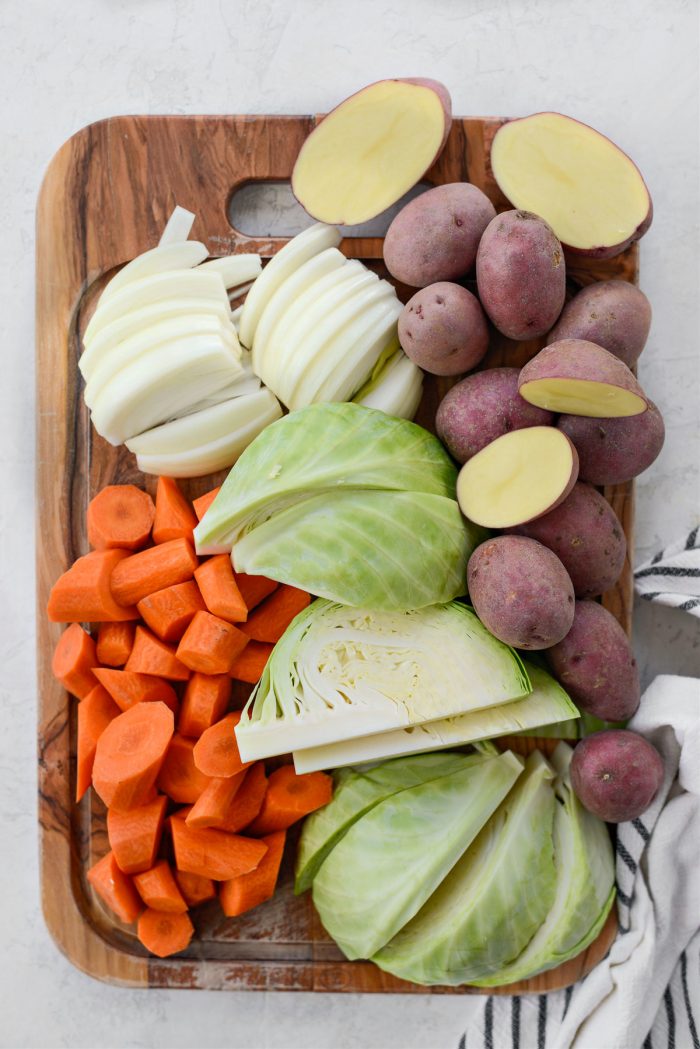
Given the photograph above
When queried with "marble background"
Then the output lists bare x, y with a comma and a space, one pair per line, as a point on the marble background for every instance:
629, 67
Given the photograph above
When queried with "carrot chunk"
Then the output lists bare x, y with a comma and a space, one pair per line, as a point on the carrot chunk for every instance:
130, 753
158, 889
73, 661
218, 587
202, 504
210, 644
271, 619
115, 888
254, 588
141, 574
216, 751
194, 888
213, 803
150, 655
248, 801
175, 518
127, 688
114, 643
205, 701
241, 894
179, 777
250, 664
94, 715
164, 934
121, 515
83, 594
170, 611
290, 797
213, 853
134, 836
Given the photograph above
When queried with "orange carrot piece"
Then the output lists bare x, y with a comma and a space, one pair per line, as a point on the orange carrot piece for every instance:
202, 504
213, 803
130, 753
210, 644
254, 588
94, 715
289, 797
115, 888
141, 574
205, 701
175, 518
127, 688
150, 655
83, 594
194, 888
213, 853
250, 664
134, 836
164, 934
121, 515
241, 894
216, 751
179, 777
114, 643
73, 661
248, 801
170, 611
271, 619
158, 889
218, 587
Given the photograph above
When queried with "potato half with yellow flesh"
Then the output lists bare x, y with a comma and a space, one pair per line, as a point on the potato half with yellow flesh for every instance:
577, 377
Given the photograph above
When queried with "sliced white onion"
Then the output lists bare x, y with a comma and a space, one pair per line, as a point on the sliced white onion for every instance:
396, 389
162, 259
178, 227
234, 269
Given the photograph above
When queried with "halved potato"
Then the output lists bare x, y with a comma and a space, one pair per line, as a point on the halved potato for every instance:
576, 377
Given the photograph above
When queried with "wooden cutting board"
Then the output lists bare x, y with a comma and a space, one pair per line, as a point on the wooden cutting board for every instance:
105, 198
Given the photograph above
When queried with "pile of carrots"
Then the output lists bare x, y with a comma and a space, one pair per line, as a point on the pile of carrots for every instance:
187, 820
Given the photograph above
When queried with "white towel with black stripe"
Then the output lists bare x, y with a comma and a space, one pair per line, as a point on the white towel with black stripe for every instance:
672, 577
646, 993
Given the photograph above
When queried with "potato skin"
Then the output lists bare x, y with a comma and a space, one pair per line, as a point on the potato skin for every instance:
521, 274
436, 235
616, 774
612, 451
586, 536
596, 665
580, 359
521, 592
611, 313
443, 329
483, 407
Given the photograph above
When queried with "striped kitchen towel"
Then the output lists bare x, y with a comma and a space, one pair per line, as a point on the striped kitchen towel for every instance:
672, 577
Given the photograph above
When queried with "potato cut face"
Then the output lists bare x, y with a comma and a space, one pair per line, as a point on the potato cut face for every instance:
369, 151
599, 400
517, 477
587, 189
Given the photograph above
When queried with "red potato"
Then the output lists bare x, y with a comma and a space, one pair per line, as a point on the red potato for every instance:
443, 329
612, 314
616, 774
612, 451
579, 378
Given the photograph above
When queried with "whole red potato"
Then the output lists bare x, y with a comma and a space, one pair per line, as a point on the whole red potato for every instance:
616, 774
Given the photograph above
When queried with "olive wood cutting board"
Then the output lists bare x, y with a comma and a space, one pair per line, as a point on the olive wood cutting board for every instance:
105, 198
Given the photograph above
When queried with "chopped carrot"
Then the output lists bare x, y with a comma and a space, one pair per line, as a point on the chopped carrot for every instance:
216, 751
241, 894
175, 518
94, 715
254, 588
127, 688
248, 801
164, 934
134, 836
202, 504
121, 515
210, 644
73, 660
115, 888
250, 664
158, 889
270, 620
150, 655
114, 643
195, 888
141, 574
218, 587
170, 611
213, 853
179, 777
289, 797
213, 803
83, 594
205, 701
130, 753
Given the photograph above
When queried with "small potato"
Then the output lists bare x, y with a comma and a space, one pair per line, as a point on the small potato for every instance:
596, 665
611, 313
436, 235
616, 774
521, 592
612, 451
483, 407
586, 536
443, 329
521, 274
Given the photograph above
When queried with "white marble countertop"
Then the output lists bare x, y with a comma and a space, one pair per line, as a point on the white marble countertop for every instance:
629, 67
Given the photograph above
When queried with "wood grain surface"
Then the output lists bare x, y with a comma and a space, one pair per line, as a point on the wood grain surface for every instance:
105, 198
